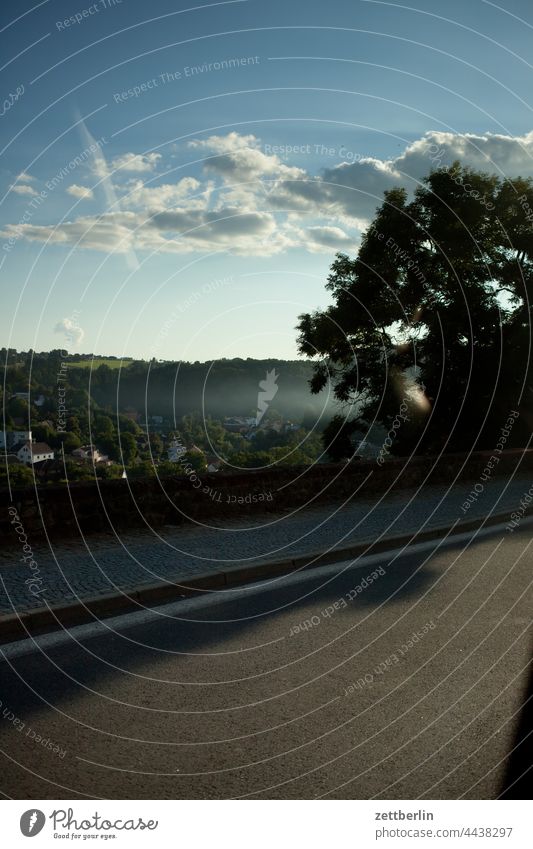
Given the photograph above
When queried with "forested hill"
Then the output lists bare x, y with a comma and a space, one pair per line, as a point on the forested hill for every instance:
220, 388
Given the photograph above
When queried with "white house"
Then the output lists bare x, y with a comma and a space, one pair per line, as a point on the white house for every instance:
35, 452
89, 452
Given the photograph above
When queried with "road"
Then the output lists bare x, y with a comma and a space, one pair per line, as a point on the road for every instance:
228, 696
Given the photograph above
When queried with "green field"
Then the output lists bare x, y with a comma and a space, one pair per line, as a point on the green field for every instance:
99, 361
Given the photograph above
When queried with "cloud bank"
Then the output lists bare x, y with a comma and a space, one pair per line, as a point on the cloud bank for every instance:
249, 202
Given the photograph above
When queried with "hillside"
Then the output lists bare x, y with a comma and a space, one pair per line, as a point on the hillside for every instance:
218, 389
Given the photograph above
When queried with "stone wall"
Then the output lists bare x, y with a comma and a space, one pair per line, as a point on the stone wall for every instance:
99, 506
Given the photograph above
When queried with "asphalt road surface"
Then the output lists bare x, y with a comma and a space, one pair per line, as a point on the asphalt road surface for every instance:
408, 681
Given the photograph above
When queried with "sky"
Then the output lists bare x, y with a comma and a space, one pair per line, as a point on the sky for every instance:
176, 178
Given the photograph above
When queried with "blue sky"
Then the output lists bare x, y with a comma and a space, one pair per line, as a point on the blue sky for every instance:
176, 178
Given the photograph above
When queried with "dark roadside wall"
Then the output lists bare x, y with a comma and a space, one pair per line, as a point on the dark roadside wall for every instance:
121, 504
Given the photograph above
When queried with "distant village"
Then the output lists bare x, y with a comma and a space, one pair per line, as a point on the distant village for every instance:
21, 447
73, 424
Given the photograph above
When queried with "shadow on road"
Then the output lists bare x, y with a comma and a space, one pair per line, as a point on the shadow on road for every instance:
32, 681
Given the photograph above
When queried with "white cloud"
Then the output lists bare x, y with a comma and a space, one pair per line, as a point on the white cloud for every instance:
138, 162
327, 239
80, 191
228, 229
160, 197
111, 231
508, 156
351, 191
24, 190
24, 178
238, 159
173, 231
70, 329
346, 191
225, 144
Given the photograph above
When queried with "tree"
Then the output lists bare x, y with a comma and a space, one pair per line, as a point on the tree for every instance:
128, 448
70, 442
250, 460
144, 469
156, 445
103, 435
74, 426
126, 425
196, 459
44, 433
77, 472
18, 408
18, 476
431, 318
103, 427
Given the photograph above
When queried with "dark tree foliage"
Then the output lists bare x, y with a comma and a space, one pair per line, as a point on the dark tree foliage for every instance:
438, 296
